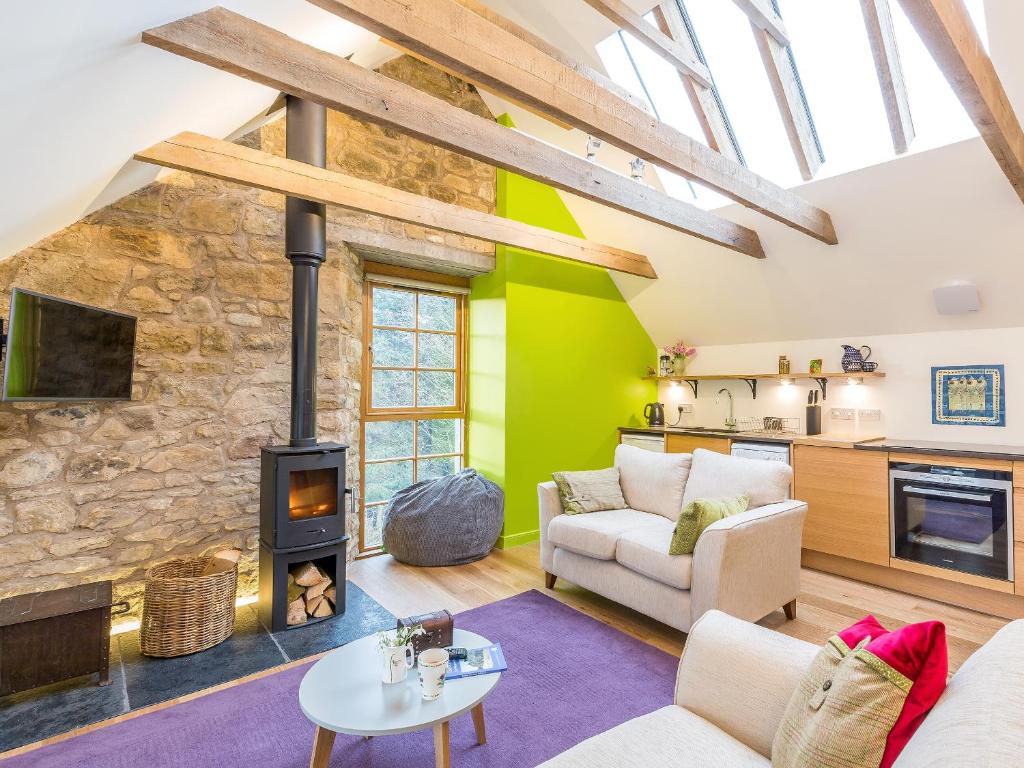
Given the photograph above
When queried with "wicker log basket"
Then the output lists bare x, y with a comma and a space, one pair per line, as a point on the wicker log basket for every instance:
189, 604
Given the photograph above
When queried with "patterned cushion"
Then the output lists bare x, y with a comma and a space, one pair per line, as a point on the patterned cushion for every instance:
698, 515
863, 697
590, 491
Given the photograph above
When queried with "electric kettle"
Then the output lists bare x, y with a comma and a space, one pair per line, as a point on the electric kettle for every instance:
655, 414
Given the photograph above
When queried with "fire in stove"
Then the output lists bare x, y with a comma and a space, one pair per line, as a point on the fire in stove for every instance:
312, 493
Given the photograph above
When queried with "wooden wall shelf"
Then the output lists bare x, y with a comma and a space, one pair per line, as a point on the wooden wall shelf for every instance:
753, 378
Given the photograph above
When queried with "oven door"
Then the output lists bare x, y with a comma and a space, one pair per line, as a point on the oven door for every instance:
960, 527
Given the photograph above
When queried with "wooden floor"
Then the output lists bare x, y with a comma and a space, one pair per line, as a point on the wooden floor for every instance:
827, 603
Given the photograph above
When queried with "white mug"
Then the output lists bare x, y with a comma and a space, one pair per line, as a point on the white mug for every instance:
433, 665
397, 663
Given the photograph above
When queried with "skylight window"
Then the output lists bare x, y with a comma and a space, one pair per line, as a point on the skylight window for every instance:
831, 49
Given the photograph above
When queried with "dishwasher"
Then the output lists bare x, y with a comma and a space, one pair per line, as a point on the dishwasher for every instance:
763, 452
647, 442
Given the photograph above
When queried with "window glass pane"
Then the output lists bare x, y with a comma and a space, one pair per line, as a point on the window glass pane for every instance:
388, 439
436, 389
392, 389
383, 480
439, 436
430, 469
436, 350
393, 348
437, 313
373, 523
394, 307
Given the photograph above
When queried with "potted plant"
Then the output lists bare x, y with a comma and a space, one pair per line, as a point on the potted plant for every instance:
681, 354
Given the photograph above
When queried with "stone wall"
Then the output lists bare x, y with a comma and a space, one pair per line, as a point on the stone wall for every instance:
104, 490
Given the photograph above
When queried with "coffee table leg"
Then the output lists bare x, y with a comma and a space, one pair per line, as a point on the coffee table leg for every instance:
478, 723
442, 747
323, 741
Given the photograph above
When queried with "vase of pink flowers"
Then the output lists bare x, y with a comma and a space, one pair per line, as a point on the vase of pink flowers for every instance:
681, 354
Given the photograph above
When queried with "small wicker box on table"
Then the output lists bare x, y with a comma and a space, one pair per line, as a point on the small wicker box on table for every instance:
185, 611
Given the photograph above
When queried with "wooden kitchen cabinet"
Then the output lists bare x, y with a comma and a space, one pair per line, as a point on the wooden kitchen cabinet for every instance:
847, 495
687, 443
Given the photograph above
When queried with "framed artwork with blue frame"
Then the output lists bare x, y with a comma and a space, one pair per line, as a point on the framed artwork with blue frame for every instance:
972, 395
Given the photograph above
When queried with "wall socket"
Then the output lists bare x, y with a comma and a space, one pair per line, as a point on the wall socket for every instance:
843, 414
686, 408
869, 414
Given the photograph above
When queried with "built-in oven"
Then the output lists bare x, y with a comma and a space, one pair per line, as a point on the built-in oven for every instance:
952, 517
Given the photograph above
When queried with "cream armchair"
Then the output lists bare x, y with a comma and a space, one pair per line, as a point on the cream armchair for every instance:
747, 565
736, 678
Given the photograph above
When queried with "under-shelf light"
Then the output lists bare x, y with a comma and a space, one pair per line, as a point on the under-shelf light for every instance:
787, 382
854, 380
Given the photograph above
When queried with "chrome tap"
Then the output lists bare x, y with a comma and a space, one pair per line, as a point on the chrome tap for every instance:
730, 422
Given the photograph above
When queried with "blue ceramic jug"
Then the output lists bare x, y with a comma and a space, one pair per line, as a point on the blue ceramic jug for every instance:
853, 358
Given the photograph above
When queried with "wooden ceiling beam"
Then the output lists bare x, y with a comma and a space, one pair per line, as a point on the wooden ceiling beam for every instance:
777, 57
540, 43
415, 252
624, 17
444, 31
224, 160
946, 28
233, 43
763, 16
882, 37
706, 105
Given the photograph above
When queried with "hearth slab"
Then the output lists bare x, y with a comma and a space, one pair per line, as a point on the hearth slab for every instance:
149, 680
53, 709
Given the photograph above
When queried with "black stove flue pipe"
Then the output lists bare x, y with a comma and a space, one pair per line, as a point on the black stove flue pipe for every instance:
306, 248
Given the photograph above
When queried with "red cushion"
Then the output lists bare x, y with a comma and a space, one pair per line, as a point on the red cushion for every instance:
917, 651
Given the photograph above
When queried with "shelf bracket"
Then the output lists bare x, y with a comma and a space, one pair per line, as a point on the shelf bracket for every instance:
752, 383
823, 384
693, 385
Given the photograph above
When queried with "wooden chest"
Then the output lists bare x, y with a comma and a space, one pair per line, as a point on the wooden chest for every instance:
50, 636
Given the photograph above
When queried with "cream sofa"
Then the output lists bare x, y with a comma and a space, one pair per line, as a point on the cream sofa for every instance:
735, 679
747, 565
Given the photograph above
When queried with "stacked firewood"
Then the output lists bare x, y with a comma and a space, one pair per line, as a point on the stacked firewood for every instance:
311, 592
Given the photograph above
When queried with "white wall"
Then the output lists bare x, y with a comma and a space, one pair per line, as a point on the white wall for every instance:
904, 396
82, 93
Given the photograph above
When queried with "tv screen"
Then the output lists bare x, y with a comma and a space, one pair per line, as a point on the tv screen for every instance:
60, 350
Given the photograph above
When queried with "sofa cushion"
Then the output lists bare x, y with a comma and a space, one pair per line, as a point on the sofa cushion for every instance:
698, 515
652, 482
645, 550
671, 736
596, 533
863, 697
713, 475
589, 491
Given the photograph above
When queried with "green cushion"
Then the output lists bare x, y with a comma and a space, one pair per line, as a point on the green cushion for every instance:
589, 491
698, 515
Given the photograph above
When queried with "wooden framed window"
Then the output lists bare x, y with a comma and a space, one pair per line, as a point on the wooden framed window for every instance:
414, 388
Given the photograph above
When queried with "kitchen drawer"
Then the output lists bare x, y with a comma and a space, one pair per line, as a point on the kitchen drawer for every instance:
1018, 474
688, 443
847, 495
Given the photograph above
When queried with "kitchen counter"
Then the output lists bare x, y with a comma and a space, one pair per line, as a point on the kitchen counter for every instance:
936, 448
829, 440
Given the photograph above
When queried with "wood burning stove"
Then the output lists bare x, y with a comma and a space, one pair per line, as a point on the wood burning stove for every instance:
302, 495
302, 484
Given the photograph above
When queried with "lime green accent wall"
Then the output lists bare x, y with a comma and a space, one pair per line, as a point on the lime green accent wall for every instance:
556, 355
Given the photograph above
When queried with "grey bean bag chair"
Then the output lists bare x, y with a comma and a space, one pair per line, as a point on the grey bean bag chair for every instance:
448, 521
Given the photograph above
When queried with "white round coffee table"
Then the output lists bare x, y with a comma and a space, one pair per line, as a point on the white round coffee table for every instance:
343, 693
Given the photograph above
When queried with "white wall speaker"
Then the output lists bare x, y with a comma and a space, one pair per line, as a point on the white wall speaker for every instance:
957, 299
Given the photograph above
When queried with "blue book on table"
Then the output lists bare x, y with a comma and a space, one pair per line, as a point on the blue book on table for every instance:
478, 661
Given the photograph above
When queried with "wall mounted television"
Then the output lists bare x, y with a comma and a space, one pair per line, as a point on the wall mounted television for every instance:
62, 350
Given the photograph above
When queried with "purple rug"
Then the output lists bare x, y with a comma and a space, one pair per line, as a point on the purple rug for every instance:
569, 677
